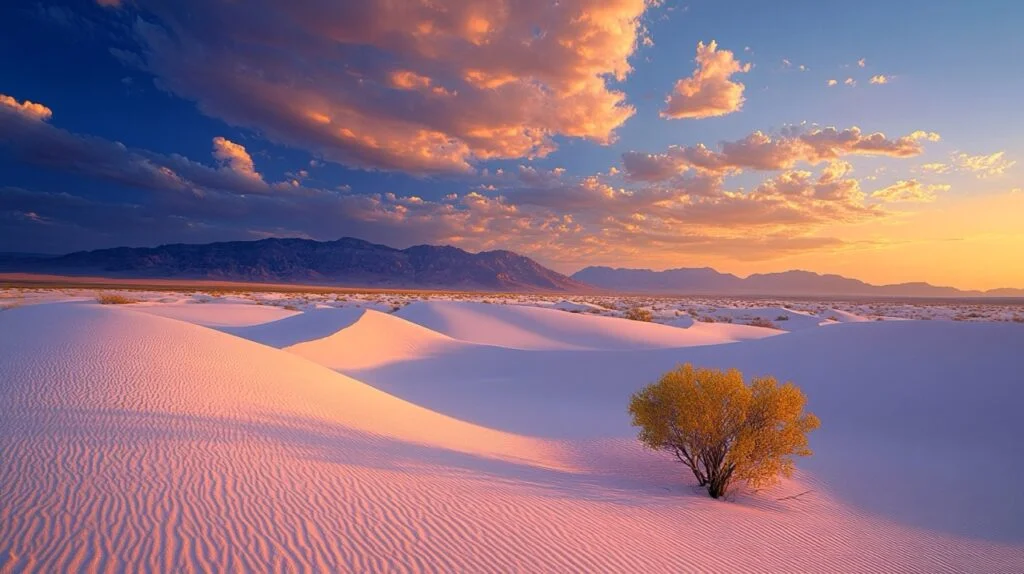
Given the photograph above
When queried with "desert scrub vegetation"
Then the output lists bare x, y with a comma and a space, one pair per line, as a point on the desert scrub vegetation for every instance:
723, 429
640, 314
114, 299
760, 322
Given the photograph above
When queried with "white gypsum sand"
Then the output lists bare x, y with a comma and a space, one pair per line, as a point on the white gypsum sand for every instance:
464, 436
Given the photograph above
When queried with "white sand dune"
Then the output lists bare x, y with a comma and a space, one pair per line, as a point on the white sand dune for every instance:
375, 339
309, 325
133, 442
794, 320
844, 316
910, 410
532, 328
217, 314
717, 333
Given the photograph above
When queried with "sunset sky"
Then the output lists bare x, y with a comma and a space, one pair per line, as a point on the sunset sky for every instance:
876, 139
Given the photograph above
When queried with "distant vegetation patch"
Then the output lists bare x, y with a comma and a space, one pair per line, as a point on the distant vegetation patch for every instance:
114, 299
640, 314
760, 322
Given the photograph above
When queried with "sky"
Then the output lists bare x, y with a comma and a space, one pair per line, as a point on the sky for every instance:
875, 139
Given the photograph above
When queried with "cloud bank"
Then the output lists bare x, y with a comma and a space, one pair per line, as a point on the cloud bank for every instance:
406, 85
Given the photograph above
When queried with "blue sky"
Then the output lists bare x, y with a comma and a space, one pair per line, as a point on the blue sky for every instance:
501, 125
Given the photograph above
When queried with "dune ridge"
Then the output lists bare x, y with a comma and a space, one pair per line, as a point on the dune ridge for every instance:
141, 443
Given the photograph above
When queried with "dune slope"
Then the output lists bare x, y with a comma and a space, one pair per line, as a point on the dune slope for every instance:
140, 443
375, 339
534, 328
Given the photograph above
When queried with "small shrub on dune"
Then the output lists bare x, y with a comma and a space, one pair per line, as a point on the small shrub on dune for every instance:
706, 319
782, 318
723, 429
759, 322
114, 299
640, 314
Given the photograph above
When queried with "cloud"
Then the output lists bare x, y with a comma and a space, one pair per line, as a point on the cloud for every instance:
760, 151
437, 86
850, 82
880, 79
982, 166
234, 157
37, 142
832, 82
909, 191
709, 91
686, 207
526, 209
26, 109
109, 3
862, 63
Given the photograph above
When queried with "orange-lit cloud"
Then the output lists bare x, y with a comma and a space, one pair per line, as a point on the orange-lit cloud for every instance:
710, 90
983, 166
526, 209
832, 82
234, 157
497, 98
761, 151
909, 191
880, 79
26, 108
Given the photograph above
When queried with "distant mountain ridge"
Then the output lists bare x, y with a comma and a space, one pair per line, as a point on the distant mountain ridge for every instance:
350, 262
707, 281
344, 262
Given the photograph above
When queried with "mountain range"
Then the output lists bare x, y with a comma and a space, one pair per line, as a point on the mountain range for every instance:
345, 262
707, 281
351, 262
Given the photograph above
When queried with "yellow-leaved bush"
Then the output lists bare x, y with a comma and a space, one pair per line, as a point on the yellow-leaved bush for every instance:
723, 429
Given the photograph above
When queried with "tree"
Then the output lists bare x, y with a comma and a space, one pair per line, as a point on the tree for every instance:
723, 429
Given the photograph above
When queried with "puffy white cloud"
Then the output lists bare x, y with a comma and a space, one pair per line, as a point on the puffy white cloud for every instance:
710, 91
880, 79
